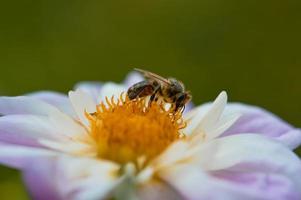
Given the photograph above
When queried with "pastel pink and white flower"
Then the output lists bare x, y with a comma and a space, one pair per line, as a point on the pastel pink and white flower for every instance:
230, 151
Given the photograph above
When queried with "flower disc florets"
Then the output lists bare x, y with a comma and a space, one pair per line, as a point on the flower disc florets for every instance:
133, 130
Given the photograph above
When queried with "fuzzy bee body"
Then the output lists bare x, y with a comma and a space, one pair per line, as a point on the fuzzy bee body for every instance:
169, 90
142, 89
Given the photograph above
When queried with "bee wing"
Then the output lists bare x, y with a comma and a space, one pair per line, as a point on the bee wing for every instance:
150, 75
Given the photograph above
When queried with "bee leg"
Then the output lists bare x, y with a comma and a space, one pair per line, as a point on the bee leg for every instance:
152, 98
179, 107
183, 108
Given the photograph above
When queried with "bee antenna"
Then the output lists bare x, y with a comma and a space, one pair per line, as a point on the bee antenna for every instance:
139, 70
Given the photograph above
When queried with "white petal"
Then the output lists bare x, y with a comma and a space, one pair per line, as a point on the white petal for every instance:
88, 178
192, 183
111, 89
66, 125
189, 115
203, 123
55, 99
71, 147
222, 125
76, 178
24, 105
82, 103
91, 88
174, 153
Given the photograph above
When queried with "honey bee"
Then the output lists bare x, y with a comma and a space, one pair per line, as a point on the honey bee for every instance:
170, 90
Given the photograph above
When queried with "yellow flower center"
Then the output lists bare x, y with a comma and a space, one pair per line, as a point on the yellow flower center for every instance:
132, 130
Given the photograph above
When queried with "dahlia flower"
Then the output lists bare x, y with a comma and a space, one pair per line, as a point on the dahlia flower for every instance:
95, 143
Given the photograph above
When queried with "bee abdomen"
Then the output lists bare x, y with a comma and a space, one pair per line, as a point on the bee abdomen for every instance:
140, 89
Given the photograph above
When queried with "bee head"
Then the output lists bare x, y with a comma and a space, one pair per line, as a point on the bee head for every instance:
182, 99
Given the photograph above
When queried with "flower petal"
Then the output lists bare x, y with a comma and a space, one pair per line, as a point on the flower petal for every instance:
258, 120
24, 105
204, 121
67, 126
88, 178
210, 122
21, 157
176, 152
56, 99
189, 106
250, 153
71, 147
26, 129
76, 177
82, 103
69, 177
98, 93
39, 184
225, 122
193, 184
269, 185
112, 89
91, 88
292, 138
156, 189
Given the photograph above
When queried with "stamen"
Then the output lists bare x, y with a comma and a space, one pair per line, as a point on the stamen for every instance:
128, 130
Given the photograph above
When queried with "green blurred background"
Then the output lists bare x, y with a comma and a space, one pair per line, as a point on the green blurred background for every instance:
250, 48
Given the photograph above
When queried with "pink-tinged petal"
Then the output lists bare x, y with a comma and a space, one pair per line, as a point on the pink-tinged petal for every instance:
60, 101
257, 120
291, 139
250, 153
193, 184
21, 157
24, 105
271, 185
26, 129
72, 178
91, 88
82, 103
38, 182
157, 189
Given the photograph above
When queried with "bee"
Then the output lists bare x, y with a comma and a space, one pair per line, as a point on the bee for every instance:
170, 90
